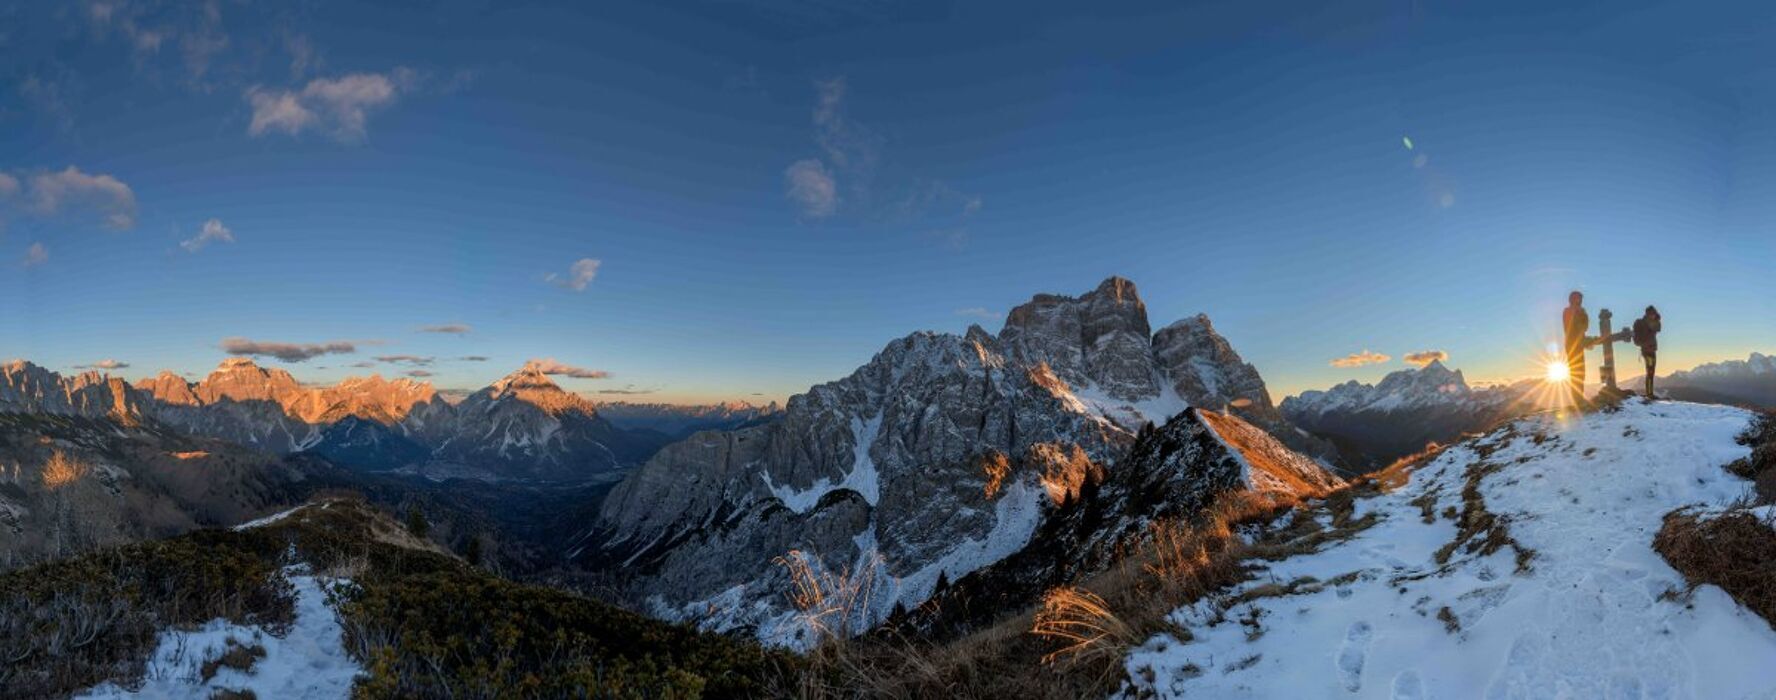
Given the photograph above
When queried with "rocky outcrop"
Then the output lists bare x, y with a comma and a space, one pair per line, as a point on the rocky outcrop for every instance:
940, 456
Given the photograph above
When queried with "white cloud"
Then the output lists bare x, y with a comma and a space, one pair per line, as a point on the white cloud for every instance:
114, 202
35, 255
1359, 359
9, 185
811, 186
449, 328
578, 276
213, 230
978, 312
1426, 357
548, 365
338, 106
104, 364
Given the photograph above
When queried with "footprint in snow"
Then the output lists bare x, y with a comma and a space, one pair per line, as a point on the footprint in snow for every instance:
1407, 686
1351, 654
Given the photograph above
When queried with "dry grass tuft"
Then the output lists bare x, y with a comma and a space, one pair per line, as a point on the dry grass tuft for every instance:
1735, 550
833, 604
1083, 624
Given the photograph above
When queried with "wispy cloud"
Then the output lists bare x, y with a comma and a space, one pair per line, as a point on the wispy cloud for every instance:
35, 255
288, 352
212, 231
412, 360
366, 364
626, 391
1359, 359
580, 274
549, 365
72, 190
473, 358
811, 187
978, 312
1425, 357
104, 364
841, 178
449, 328
339, 107
420, 373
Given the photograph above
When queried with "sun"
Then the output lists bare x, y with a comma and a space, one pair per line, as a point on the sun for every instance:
1558, 371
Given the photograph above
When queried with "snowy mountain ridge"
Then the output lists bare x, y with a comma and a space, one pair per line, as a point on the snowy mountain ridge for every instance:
939, 456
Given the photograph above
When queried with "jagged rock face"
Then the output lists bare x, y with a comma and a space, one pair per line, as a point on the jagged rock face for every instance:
1403, 412
27, 388
939, 456
1097, 340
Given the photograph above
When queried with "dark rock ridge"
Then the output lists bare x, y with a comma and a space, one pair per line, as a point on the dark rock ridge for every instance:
1172, 472
941, 455
1406, 410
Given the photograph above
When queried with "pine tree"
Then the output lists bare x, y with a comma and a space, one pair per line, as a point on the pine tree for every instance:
416, 522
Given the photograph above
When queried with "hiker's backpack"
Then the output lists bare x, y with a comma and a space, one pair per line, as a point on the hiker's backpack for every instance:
1643, 336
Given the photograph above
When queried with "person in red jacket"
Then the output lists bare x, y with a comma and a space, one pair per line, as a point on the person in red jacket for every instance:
1646, 336
1577, 322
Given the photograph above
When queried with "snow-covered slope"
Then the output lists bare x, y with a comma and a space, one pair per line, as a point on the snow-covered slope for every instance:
308, 661
1535, 577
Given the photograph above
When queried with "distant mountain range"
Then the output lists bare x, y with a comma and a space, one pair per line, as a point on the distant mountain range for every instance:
1747, 382
680, 420
523, 426
1374, 425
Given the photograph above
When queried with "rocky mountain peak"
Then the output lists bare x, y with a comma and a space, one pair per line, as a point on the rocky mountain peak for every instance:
240, 379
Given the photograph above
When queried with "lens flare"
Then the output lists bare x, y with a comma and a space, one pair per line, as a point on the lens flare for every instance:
1558, 371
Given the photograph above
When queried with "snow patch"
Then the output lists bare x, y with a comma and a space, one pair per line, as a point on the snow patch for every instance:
269, 519
307, 662
862, 477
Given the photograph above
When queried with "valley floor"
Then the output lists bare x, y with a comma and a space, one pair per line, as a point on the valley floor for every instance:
1519, 565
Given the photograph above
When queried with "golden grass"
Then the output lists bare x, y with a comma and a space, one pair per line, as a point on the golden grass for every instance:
1082, 622
62, 470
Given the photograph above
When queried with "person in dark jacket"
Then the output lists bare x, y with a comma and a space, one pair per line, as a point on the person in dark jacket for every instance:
1577, 322
1646, 337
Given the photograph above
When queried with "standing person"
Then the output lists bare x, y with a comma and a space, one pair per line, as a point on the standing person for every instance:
1577, 323
1646, 335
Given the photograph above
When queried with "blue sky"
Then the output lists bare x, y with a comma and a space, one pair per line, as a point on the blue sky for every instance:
764, 194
